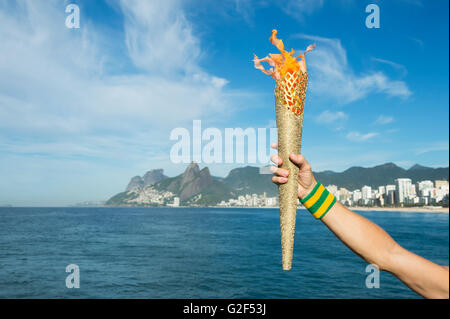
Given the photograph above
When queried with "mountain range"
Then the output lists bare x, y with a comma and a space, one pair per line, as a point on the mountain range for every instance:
357, 177
194, 182
199, 187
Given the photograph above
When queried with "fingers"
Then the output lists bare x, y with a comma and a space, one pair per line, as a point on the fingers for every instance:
274, 145
300, 161
276, 159
279, 171
297, 159
281, 175
279, 180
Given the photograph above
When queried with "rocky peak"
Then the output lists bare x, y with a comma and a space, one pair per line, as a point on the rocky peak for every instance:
389, 165
194, 181
417, 167
151, 177
190, 174
205, 176
135, 182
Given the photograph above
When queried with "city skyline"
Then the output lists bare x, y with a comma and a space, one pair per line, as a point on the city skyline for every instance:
436, 193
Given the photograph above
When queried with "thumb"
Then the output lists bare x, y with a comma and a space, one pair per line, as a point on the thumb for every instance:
300, 161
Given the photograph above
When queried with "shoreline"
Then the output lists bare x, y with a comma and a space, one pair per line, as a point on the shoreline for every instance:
441, 210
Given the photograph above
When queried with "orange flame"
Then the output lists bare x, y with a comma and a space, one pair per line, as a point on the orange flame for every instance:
282, 63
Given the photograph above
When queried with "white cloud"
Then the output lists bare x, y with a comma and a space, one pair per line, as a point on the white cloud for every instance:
159, 37
53, 79
383, 119
396, 66
300, 8
329, 117
418, 41
246, 9
335, 78
392, 130
433, 147
59, 99
359, 137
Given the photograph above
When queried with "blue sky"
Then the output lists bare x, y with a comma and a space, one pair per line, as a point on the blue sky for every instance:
83, 110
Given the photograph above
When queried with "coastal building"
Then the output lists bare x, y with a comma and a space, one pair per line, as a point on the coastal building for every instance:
411, 200
390, 198
438, 194
380, 201
390, 188
439, 183
424, 188
413, 192
424, 184
424, 200
390, 194
343, 195
270, 201
403, 189
356, 196
333, 189
366, 192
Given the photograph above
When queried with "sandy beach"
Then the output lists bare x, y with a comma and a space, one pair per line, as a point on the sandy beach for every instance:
442, 210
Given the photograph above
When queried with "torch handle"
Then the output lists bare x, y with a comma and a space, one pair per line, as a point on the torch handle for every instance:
289, 141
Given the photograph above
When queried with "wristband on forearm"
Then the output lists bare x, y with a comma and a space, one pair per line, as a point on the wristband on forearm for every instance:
319, 201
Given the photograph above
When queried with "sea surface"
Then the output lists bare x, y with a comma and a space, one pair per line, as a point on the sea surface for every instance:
196, 253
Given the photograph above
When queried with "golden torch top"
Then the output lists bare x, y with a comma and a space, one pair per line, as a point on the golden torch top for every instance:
289, 73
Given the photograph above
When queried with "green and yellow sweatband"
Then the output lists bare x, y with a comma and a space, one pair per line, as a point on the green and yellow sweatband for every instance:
319, 201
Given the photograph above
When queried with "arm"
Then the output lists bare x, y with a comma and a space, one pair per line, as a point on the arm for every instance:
374, 245
370, 241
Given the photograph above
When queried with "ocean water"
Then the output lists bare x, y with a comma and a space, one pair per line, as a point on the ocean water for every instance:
195, 253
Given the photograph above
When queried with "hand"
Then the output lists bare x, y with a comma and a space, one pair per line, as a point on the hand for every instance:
306, 180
